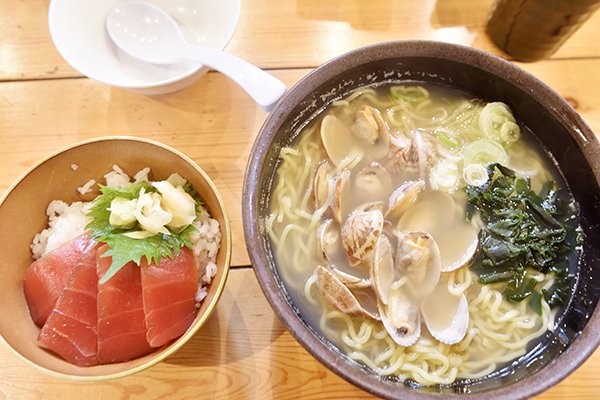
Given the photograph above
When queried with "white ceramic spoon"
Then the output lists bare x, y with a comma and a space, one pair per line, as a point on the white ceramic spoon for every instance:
146, 32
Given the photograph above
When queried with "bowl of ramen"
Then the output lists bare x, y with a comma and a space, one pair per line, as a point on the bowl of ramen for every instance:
422, 216
122, 258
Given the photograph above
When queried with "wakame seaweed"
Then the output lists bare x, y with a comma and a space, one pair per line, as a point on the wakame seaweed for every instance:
524, 233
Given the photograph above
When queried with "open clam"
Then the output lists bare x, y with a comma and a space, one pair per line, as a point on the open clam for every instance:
373, 182
415, 153
370, 127
328, 239
382, 269
338, 295
423, 152
349, 280
446, 315
321, 184
465, 258
435, 212
399, 153
339, 190
418, 259
335, 139
360, 233
401, 318
403, 197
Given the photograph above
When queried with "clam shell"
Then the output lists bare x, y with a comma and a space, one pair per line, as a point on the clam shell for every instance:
417, 153
382, 269
399, 153
418, 259
338, 295
446, 315
373, 182
328, 239
403, 197
466, 258
335, 139
349, 280
360, 233
370, 127
339, 191
321, 184
401, 318
424, 152
437, 213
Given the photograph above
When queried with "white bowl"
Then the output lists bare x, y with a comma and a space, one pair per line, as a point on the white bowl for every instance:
77, 28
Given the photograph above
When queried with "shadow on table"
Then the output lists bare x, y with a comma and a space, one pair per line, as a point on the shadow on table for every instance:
460, 13
239, 329
360, 14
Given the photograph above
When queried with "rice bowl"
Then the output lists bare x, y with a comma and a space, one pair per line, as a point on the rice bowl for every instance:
70, 168
67, 221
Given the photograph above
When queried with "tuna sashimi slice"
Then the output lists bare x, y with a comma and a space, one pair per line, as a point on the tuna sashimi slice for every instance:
70, 330
121, 319
46, 278
169, 290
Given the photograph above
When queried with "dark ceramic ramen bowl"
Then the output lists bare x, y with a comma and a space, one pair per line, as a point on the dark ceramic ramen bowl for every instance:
551, 119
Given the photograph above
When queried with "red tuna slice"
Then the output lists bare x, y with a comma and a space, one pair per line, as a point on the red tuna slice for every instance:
47, 277
70, 330
121, 319
169, 290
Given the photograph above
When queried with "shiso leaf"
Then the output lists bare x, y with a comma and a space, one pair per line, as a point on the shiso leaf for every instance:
124, 249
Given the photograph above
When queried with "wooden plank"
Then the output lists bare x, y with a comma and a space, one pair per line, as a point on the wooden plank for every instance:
293, 34
243, 352
214, 122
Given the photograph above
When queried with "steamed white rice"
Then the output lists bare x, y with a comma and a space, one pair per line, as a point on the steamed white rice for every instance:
67, 221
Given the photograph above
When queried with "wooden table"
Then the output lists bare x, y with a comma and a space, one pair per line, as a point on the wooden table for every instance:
244, 351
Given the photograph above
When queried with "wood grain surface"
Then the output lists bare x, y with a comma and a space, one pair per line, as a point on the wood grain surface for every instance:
243, 352
289, 33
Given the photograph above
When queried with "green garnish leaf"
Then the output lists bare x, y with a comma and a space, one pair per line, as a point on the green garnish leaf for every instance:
192, 192
124, 249
523, 231
535, 302
559, 292
446, 139
494, 277
519, 287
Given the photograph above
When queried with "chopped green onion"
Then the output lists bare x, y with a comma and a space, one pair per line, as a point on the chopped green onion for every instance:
409, 94
492, 118
509, 132
446, 138
475, 175
484, 152
444, 176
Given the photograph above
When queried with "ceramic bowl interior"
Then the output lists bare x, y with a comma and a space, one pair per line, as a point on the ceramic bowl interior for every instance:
23, 214
557, 126
77, 28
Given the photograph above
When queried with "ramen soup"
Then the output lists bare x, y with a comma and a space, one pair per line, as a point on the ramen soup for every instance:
422, 232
